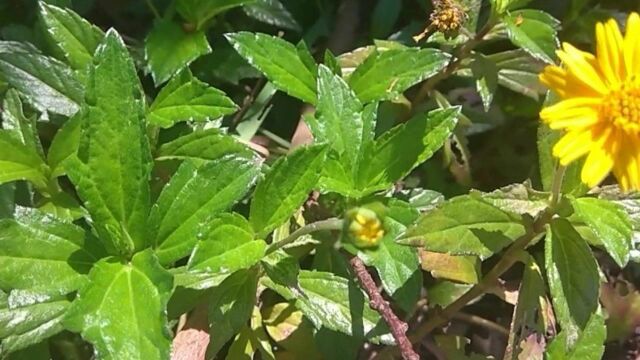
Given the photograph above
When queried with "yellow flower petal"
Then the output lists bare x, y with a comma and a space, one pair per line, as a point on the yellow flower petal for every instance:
600, 160
581, 68
627, 164
573, 112
609, 49
632, 45
572, 146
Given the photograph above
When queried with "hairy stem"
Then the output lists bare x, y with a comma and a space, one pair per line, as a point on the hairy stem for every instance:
328, 224
462, 53
556, 187
379, 304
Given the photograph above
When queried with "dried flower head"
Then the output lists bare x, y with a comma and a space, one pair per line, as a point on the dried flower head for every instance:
448, 16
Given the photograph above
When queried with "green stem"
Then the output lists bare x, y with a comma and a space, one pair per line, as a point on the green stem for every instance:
328, 224
153, 8
275, 138
556, 187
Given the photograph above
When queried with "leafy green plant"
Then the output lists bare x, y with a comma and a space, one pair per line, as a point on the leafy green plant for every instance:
138, 201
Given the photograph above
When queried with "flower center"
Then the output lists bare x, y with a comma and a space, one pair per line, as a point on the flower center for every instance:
622, 108
367, 229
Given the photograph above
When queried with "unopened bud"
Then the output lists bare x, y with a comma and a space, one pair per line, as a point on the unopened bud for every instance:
365, 227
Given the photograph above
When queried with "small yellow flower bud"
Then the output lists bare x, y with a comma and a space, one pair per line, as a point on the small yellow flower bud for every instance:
365, 228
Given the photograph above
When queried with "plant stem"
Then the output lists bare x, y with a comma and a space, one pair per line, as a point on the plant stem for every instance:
463, 52
510, 257
275, 138
480, 321
378, 303
153, 8
247, 102
556, 187
328, 224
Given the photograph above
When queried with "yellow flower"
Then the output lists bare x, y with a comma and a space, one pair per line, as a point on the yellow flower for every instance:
365, 227
600, 107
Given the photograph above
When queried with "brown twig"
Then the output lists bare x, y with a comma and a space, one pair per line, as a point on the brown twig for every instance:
248, 101
480, 321
508, 259
462, 53
378, 303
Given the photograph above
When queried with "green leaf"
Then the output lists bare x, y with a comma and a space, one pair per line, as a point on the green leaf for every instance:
210, 144
231, 307
47, 83
226, 244
62, 206
518, 71
131, 298
384, 17
519, 199
464, 269
111, 172
226, 65
198, 12
530, 310
405, 147
7, 200
20, 162
18, 125
272, 12
169, 48
282, 269
194, 196
251, 338
39, 351
479, 228
280, 62
41, 254
285, 187
610, 224
573, 278
500, 6
336, 304
341, 171
335, 345
72, 36
485, 72
588, 346
64, 145
23, 325
331, 62
444, 293
535, 31
397, 265
385, 75
291, 331
340, 121
196, 280
186, 98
